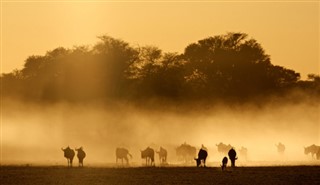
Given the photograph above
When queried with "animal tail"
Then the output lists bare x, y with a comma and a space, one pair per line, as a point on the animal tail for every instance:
130, 155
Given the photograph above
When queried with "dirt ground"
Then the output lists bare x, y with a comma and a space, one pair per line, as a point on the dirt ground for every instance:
59, 175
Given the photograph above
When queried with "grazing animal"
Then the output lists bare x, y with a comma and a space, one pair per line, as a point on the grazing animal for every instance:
243, 153
122, 153
233, 157
186, 152
69, 154
224, 163
148, 154
223, 148
202, 156
281, 148
163, 155
81, 155
313, 149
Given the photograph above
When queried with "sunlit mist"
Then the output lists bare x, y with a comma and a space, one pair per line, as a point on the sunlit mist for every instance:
34, 134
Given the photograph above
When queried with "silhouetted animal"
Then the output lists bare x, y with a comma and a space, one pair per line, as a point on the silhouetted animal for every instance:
81, 155
163, 155
223, 148
313, 149
224, 163
69, 154
281, 148
148, 154
243, 153
233, 157
186, 152
122, 153
202, 156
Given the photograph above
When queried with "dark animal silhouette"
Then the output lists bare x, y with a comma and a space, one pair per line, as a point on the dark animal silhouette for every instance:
313, 150
186, 152
69, 154
81, 155
223, 148
148, 154
224, 163
243, 153
202, 156
281, 148
163, 155
122, 153
233, 157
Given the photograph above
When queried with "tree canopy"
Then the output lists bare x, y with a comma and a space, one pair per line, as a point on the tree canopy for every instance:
231, 66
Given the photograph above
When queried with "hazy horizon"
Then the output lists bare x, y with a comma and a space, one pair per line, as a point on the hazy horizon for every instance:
38, 133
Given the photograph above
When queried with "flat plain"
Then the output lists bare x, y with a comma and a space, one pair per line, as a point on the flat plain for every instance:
59, 175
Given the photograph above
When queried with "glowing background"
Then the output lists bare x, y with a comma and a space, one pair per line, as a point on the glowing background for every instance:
288, 31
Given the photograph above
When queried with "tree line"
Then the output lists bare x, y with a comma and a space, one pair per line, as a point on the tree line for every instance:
230, 67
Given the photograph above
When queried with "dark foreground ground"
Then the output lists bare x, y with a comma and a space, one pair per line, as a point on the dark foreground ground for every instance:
159, 175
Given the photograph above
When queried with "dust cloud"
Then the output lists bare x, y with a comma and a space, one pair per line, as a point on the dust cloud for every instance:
34, 134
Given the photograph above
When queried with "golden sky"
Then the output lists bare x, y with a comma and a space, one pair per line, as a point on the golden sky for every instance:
288, 31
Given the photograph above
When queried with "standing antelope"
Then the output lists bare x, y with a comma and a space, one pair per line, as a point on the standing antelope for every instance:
81, 155
69, 154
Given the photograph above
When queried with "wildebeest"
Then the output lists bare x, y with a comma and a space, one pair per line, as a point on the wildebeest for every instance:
69, 154
122, 153
313, 149
81, 155
223, 148
233, 157
186, 152
243, 153
148, 154
281, 148
224, 163
163, 155
202, 156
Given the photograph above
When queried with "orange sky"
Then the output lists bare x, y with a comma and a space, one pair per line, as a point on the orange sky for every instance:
288, 31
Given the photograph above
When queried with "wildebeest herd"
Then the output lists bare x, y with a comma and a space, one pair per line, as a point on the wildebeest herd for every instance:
185, 153
69, 154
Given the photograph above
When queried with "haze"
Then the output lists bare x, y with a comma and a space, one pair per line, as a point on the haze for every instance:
33, 134
289, 31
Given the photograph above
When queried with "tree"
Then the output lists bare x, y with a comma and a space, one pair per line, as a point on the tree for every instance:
114, 59
233, 65
224, 67
157, 74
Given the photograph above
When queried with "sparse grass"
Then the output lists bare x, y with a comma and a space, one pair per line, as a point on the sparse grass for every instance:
16, 175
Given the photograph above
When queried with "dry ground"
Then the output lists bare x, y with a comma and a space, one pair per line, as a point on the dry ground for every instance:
58, 175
